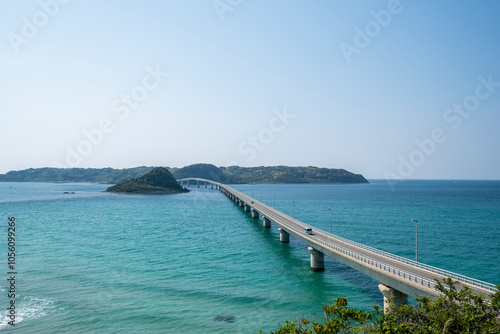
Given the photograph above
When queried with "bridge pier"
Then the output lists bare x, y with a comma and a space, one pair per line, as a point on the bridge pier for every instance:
317, 259
266, 222
284, 236
255, 214
205, 185
241, 203
198, 184
211, 186
392, 295
246, 208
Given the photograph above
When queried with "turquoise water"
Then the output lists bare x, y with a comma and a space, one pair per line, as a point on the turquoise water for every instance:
93, 262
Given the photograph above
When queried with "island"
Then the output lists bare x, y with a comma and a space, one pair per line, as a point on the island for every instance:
158, 181
226, 175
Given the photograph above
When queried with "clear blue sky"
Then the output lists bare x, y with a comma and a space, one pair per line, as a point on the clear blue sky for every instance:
406, 89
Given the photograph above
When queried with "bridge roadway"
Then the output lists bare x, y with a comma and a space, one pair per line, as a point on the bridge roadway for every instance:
400, 277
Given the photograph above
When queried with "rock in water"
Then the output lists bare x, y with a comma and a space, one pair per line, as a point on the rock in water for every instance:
227, 318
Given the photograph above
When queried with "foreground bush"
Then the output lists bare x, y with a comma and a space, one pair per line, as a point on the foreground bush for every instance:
454, 311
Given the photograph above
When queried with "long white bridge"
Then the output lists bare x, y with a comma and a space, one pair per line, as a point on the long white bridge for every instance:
399, 277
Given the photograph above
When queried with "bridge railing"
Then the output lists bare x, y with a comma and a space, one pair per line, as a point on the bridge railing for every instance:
386, 267
381, 265
373, 262
439, 271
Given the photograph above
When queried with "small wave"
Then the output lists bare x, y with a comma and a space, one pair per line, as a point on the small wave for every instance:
27, 308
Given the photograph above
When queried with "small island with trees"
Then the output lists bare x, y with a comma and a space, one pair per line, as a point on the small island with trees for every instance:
158, 181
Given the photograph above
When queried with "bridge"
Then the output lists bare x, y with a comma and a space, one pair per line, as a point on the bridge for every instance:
399, 277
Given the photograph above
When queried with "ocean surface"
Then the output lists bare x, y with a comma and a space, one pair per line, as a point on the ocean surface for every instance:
94, 262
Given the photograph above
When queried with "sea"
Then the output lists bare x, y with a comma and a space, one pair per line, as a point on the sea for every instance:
87, 261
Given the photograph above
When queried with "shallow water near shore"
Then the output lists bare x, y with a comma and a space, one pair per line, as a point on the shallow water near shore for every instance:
95, 262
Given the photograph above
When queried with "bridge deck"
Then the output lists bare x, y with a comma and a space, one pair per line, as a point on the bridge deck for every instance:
413, 278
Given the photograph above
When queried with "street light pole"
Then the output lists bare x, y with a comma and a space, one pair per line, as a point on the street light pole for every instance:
274, 196
293, 209
416, 239
330, 209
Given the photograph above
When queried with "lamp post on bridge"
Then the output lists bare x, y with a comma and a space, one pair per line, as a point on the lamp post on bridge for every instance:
274, 196
416, 239
294, 209
330, 209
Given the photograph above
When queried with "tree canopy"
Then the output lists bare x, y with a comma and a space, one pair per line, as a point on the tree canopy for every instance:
454, 311
157, 181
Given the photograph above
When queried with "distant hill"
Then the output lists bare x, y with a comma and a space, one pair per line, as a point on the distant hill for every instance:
202, 171
285, 174
227, 175
158, 181
128, 174
276, 174
97, 175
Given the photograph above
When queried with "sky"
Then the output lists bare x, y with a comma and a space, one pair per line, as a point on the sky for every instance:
387, 89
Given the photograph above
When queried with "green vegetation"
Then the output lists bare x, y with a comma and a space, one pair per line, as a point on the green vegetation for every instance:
129, 174
267, 175
285, 174
228, 175
158, 181
455, 311
202, 171
97, 175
